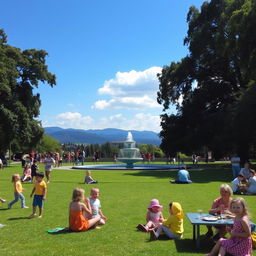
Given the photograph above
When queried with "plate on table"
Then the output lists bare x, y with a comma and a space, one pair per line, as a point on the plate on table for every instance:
210, 218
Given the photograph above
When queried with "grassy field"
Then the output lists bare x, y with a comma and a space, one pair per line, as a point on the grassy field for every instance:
125, 196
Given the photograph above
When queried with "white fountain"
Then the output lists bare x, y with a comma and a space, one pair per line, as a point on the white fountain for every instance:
129, 154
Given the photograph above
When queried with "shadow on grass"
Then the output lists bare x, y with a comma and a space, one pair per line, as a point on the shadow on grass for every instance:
197, 176
19, 218
189, 245
4, 209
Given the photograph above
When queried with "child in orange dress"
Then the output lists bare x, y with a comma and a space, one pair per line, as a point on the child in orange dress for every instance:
77, 221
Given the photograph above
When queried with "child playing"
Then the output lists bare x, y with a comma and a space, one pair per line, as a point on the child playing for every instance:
26, 173
89, 179
173, 226
34, 169
251, 184
237, 185
17, 192
77, 209
96, 207
40, 194
239, 243
154, 216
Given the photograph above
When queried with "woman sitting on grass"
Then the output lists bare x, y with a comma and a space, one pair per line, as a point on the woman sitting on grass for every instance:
220, 205
77, 221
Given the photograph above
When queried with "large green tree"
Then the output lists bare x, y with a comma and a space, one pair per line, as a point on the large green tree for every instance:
20, 72
213, 87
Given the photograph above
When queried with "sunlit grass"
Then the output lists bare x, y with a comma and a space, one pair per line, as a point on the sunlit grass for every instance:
125, 196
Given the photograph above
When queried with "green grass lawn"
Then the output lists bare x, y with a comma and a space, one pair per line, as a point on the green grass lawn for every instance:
125, 196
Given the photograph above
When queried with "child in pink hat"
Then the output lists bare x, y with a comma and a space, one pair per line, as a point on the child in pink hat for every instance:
154, 216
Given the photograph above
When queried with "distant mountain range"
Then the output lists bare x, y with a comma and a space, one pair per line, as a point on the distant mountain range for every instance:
100, 136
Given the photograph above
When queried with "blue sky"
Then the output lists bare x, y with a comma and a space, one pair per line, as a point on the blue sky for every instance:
105, 55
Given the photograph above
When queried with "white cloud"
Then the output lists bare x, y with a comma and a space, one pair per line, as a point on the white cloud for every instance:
73, 120
126, 102
130, 90
139, 121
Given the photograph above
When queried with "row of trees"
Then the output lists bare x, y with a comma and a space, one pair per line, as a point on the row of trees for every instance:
214, 86
20, 72
108, 150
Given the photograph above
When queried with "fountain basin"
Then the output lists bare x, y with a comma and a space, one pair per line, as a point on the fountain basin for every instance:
124, 167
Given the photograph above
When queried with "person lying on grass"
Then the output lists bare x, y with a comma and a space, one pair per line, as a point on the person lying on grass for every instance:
77, 209
154, 216
173, 226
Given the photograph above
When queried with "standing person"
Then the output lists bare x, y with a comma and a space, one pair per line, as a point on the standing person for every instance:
34, 169
154, 216
39, 191
48, 164
235, 164
239, 243
194, 158
173, 226
96, 206
18, 189
77, 209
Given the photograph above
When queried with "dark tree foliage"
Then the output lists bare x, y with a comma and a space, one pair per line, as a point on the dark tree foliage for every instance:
20, 72
213, 87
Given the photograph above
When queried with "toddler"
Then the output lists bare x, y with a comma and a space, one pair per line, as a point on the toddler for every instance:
17, 191
154, 216
96, 206
40, 194
173, 226
89, 179
239, 243
77, 209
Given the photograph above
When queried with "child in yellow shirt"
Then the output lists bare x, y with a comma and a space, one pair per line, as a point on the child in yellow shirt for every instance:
40, 194
18, 189
173, 226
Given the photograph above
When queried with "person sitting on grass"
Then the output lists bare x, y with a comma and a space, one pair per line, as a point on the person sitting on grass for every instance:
183, 176
173, 226
96, 206
2, 200
40, 194
220, 206
77, 209
251, 184
89, 179
26, 173
237, 186
154, 216
239, 243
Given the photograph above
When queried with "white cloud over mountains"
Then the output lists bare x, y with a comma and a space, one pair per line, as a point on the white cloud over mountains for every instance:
130, 90
139, 121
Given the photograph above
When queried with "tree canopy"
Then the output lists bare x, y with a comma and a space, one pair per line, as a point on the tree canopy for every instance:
214, 86
20, 72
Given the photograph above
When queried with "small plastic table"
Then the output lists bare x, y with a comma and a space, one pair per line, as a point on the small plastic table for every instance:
196, 220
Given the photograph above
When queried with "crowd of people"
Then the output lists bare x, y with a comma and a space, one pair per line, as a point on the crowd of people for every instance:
86, 213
